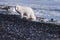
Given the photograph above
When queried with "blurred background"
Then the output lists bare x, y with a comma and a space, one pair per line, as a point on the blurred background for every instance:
42, 8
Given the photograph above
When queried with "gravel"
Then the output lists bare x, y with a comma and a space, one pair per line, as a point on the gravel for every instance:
14, 28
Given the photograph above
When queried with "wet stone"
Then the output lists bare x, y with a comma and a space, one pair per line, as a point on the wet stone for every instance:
13, 28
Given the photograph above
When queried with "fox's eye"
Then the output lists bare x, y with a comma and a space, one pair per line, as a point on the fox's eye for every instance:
25, 14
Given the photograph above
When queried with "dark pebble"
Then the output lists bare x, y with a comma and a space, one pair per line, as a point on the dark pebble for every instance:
14, 28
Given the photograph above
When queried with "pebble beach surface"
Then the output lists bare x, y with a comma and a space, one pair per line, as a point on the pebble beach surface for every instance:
14, 28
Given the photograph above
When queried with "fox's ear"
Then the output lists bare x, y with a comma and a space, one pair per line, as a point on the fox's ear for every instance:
16, 7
